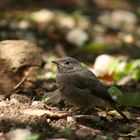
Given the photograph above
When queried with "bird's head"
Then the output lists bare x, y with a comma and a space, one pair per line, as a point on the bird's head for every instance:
67, 64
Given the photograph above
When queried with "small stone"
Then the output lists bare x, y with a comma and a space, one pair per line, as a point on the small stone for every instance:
66, 22
70, 119
48, 120
15, 101
119, 19
128, 38
99, 137
21, 98
2, 136
77, 37
18, 134
24, 24
35, 103
3, 103
35, 112
42, 16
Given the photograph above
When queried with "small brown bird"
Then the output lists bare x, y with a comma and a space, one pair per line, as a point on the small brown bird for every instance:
81, 87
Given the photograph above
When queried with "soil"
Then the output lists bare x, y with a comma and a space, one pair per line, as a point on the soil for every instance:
12, 115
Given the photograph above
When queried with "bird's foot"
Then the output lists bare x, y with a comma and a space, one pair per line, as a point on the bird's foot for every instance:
74, 110
93, 118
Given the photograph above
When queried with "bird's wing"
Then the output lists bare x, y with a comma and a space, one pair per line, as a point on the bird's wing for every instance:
86, 79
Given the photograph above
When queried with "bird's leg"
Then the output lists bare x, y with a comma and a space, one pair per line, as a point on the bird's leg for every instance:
86, 115
89, 114
74, 110
83, 110
93, 118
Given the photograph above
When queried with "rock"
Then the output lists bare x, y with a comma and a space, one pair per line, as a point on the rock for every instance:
35, 112
24, 24
38, 104
18, 134
41, 112
65, 21
42, 16
128, 38
18, 53
99, 137
119, 19
2, 136
15, 98
15, 57
35, 103
15, 101
3, 104
77, 37
70, 119
7, 81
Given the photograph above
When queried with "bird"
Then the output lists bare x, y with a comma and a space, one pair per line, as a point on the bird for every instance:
81, 87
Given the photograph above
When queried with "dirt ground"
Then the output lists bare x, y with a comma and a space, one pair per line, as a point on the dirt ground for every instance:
54, 123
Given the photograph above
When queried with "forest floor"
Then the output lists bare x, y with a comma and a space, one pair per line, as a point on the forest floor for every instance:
70, 29
48, 122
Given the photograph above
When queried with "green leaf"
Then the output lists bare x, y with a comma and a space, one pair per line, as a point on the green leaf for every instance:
77, 15
132, 66
66, 131
45, 99
136, 75
115, 90
51, 75
49, 59
130, 99
33, 136
109, 138
114, 66
93, 46
119, 75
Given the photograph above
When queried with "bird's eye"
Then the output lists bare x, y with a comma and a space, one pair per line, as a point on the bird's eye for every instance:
67, 63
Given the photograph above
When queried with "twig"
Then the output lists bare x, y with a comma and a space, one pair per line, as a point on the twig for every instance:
19, 84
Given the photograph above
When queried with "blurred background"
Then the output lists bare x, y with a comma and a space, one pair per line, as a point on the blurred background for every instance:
83, 29
104, 34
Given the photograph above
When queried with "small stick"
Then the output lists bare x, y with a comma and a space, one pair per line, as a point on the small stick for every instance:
19, 84
16, 86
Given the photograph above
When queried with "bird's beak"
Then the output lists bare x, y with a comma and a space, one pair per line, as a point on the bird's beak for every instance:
57, 63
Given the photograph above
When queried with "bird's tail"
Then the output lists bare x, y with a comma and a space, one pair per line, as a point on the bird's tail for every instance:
119, 111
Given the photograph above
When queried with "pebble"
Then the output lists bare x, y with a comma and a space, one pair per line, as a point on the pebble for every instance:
77, 37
